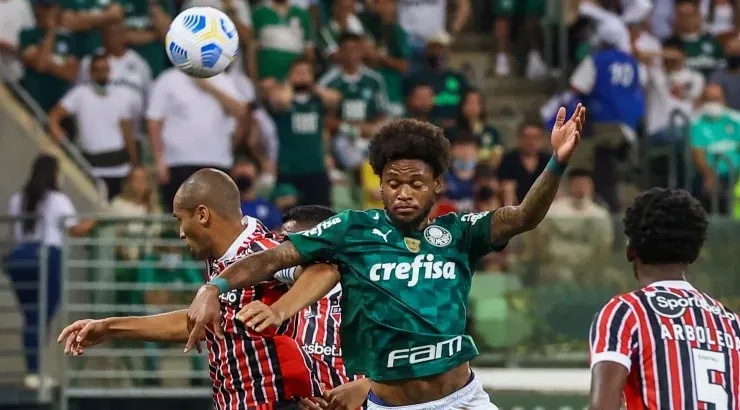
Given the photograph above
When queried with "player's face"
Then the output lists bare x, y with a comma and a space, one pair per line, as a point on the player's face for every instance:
408, 189
192, 229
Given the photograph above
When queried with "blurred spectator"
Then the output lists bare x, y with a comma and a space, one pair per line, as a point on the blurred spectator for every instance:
180, 112
389, 53
532, 11
146, 24
578, 231
449, 85
645, 46
703, 52
138, 199
420, 102
487, 189
49, 56
15, 15
298, 108
472, 119
47, 213
363, 91
246, 175
240, 14
104, 115
715, 147
343, 20
284, 196
424, 19
282, 33
609, 83
729, 77
370, 188
85, 19
521, 167
672, 89
442, 206
458, 180
127, 67
719, 16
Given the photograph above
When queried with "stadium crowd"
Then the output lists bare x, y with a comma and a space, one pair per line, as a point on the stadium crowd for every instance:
290, 120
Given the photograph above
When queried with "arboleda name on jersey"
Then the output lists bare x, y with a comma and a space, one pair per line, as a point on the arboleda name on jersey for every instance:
420, 354
410, 271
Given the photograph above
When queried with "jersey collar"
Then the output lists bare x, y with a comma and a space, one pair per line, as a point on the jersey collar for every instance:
675, 284
250, 225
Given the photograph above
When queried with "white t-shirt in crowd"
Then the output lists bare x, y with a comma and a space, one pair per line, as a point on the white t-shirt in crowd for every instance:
422, 18
99, 120
55, 214
196, 129
15, 15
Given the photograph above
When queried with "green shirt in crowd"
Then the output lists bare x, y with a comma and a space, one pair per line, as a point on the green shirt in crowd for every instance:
87, 41
281, 38
138, 17
300, 131
449, 89
719, 139
46, 88
703, 53
364, 95
391, 40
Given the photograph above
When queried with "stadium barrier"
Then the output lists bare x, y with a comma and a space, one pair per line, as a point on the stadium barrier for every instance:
530, 310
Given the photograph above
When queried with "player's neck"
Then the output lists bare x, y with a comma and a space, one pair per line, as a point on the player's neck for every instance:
649, 274
225, 237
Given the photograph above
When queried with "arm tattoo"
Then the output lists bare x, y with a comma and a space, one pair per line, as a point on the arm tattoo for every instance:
510, 221
261, 266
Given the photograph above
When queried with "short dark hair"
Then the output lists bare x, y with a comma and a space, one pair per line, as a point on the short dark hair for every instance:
301, 60
527, 123
410, 139
349, 36
578, 172
666, 226
674, 42
464, 137
308, 214
98, 55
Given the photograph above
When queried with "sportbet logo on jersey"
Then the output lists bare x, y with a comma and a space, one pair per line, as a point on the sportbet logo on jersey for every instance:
410, 271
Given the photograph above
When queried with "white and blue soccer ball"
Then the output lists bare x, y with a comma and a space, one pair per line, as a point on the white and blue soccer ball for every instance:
202, 41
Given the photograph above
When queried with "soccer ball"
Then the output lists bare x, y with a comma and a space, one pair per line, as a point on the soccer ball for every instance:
202, 41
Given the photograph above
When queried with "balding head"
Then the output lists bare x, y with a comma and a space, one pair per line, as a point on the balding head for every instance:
212, 189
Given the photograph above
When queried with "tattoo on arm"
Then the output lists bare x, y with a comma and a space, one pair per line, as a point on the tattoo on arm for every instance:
510, 221
261, 266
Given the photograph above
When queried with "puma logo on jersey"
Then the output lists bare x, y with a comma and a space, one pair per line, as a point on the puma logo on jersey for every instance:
377, 231
423, 265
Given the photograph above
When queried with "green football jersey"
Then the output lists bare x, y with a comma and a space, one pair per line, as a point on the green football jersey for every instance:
46, 88
281, 38
703, 54
404, 295
87, 41
300, 133
138, 17
364, 96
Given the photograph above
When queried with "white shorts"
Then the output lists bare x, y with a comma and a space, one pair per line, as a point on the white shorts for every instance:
470, 397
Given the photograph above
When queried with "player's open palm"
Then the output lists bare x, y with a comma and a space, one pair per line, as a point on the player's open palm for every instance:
83, 333
566, 134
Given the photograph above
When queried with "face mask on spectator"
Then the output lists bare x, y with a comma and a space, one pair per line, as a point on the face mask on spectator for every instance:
714, 109
733, 62
435, 61
485, 193
243, 183
461, 165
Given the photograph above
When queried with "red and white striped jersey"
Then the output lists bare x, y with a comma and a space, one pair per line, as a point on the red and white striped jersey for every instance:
251, 370
317, 331
681, 347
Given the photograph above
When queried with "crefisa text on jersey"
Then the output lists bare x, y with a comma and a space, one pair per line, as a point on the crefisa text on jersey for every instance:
673, 306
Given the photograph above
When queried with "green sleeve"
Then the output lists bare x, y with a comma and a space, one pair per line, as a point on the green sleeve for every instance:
257, 21
309, 33
400, 47
27, 38
324, 240
476, 229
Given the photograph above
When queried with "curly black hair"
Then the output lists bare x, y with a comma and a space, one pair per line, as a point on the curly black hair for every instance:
666, 226
410, 139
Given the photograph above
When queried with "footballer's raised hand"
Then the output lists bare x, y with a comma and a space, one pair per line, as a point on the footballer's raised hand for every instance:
258, 316
83, 333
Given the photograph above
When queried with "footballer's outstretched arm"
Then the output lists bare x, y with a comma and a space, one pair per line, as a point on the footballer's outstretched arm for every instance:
314, 283
510, 221
260, 266
607, 384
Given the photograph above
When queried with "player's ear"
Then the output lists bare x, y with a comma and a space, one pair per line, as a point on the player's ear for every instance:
203, 214
630, 253
438, 185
